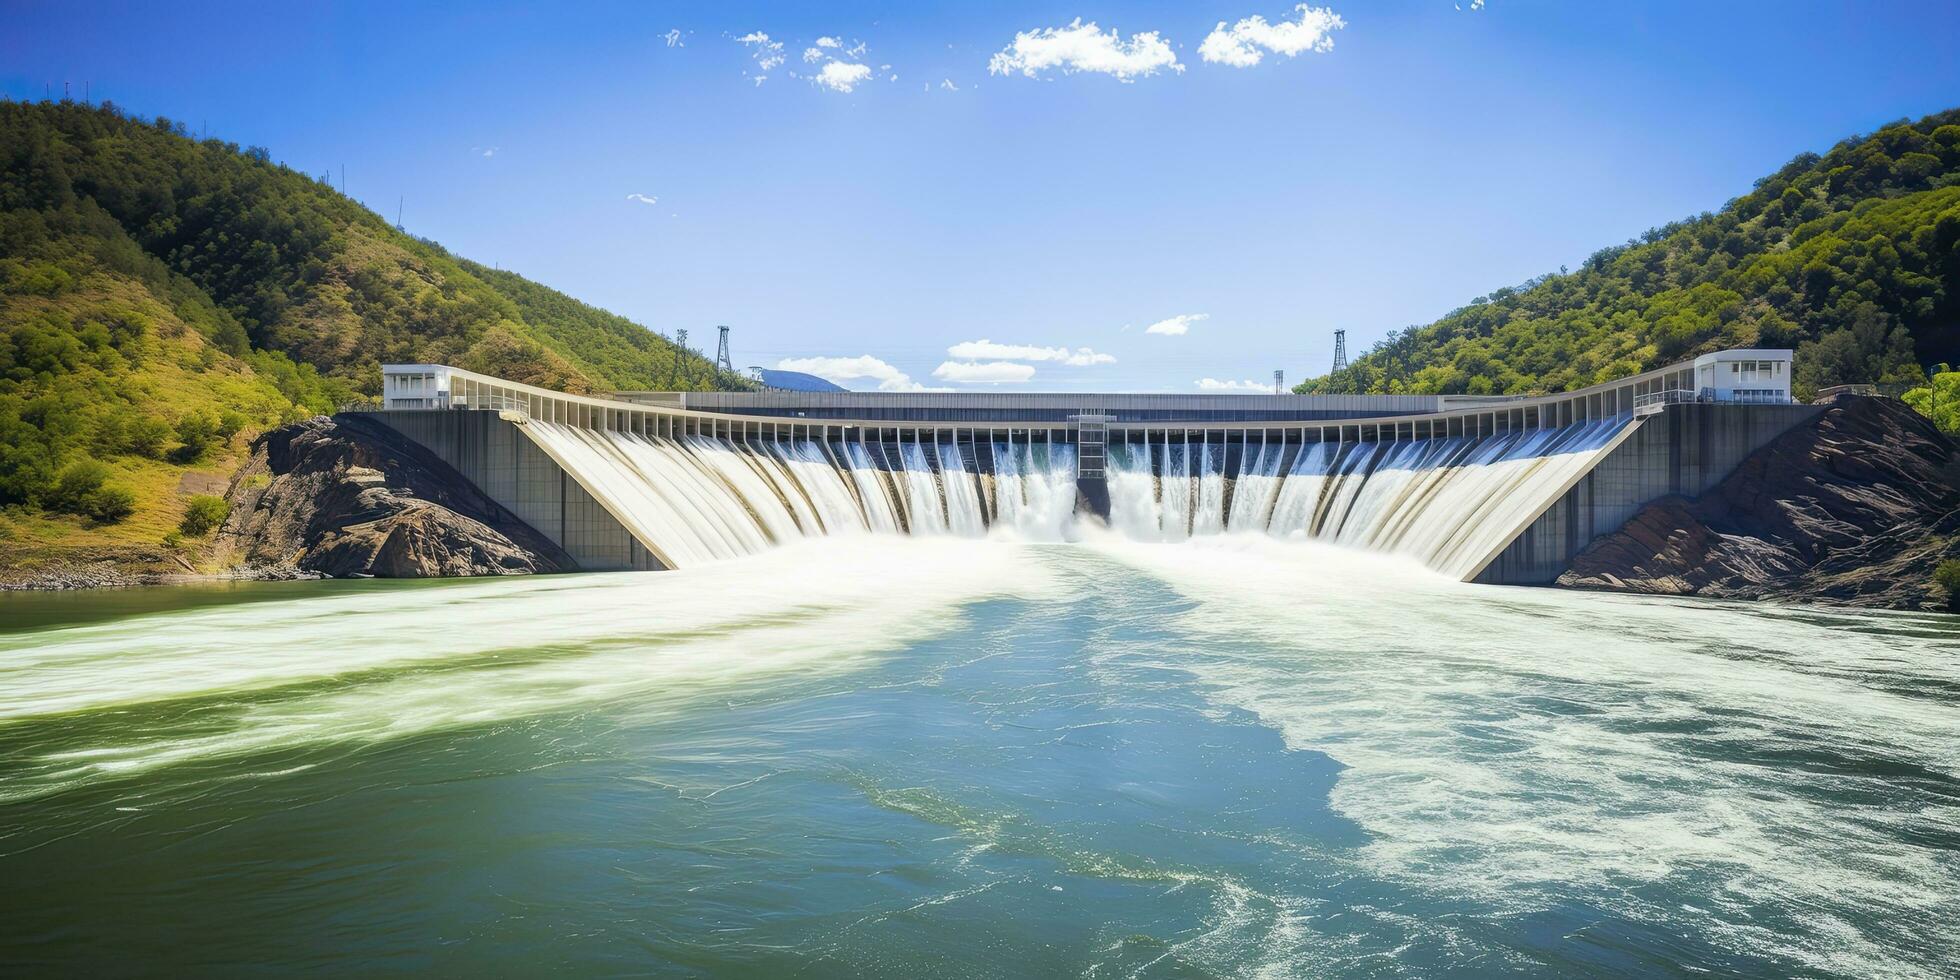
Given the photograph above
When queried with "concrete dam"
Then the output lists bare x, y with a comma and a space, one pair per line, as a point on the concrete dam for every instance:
1490, 489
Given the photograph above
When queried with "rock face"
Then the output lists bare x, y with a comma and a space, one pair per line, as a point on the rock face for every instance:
348, 496
1856, 507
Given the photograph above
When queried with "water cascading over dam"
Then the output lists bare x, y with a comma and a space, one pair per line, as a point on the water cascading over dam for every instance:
1449, 502
700, 498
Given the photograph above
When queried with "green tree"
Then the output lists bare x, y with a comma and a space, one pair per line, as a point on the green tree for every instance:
148, 436
81, 489
1947, 576
1939, 399
73, 489
203, 513
110, 504
196, 432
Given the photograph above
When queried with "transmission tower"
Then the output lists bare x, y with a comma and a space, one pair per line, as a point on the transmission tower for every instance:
1279, 382
1340, 351
722, 360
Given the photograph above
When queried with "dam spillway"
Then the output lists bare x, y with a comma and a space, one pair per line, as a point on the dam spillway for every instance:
1486, 489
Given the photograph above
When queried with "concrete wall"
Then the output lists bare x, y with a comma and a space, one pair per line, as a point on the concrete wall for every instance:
1687, 450
505, 464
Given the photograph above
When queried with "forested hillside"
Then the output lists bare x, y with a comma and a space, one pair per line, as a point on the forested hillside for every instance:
1852, 258
160, 296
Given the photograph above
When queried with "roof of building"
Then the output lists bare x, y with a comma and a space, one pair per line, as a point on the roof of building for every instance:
795, 381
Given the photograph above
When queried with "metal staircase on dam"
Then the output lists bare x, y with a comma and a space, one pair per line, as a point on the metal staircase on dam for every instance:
1091, 444
1092, 461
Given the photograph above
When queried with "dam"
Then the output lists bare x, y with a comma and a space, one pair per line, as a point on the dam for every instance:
1493, 489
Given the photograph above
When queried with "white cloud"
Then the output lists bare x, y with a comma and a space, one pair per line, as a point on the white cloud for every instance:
984, 372
947, 84
842, 76
1084, 47
863, 367
673, 38
812, 55
768, 54
1176, 326
973, 350
1213, 384
1240, 44
643, 199
828, 42
857, 51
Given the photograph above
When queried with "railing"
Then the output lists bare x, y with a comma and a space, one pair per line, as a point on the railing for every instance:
1654, 401
493, 403
1833, 391
1890, 390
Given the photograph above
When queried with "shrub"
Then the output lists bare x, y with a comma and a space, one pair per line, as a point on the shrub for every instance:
77, 484
204, 513
26, 466
230, 423
81, 489
1947, 576
173, 540
147, 437
196, 431
108, 505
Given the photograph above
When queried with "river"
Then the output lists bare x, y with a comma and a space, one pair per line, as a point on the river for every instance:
886, 756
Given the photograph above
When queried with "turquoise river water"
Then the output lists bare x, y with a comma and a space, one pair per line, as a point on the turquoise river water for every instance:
909, 757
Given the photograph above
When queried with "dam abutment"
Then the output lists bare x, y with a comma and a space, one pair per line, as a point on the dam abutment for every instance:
1685, 450
490, 452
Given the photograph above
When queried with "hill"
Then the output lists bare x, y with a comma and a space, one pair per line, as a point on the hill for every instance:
162, 297
1852, 258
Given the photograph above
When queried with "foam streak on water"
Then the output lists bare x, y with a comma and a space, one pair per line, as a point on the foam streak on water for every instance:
389, 664
1788, 770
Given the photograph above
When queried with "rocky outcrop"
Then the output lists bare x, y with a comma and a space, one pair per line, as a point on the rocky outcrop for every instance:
347, 495
1856, 507
54, 568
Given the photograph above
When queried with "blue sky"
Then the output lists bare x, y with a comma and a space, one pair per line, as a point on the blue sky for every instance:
1367, 175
